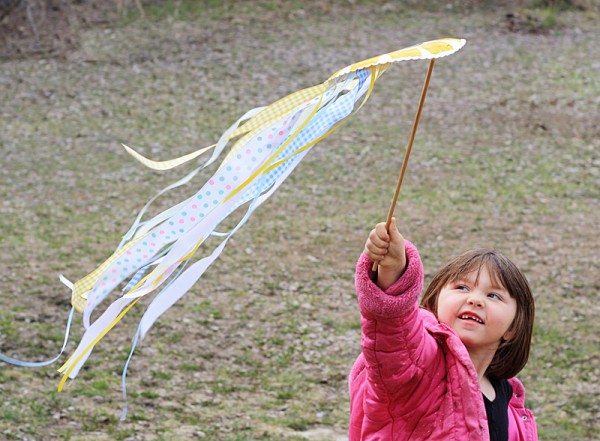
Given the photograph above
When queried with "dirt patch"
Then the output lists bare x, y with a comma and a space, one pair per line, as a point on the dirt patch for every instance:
45, 28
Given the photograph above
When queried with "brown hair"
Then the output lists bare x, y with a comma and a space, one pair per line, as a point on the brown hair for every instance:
512, 354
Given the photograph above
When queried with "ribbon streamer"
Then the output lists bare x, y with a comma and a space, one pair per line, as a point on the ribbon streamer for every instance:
268, 143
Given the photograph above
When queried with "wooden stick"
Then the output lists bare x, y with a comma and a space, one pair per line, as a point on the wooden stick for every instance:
408, 149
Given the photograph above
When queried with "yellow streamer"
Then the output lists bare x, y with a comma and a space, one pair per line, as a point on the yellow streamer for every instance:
169, 164
89, 347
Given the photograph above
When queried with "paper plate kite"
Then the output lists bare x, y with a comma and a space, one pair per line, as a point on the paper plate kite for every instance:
268, 143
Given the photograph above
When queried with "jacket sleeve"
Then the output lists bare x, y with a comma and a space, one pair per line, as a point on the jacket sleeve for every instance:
403, 360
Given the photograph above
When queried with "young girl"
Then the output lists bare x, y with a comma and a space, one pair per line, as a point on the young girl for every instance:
444, 371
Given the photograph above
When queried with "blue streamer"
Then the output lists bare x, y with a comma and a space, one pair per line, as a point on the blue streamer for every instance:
22, 363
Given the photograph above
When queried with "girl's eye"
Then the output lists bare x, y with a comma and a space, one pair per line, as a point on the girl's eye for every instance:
493, 295
462, 287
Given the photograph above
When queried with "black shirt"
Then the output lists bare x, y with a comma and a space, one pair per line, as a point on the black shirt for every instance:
497, 410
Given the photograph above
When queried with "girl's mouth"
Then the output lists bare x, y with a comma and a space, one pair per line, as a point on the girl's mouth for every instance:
471, 316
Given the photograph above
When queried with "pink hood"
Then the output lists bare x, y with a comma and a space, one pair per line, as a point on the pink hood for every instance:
415, 379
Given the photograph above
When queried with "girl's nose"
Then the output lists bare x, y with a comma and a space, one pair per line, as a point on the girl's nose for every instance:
475, 301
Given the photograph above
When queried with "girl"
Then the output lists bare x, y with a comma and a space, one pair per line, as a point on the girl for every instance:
444, 371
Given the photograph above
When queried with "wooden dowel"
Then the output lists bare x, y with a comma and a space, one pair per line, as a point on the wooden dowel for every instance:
408, 149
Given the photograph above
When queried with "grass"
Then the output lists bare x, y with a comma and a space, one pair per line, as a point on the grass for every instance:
505, 156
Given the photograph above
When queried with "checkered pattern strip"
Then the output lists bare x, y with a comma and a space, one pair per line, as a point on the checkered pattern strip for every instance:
279, 109
83, 286
326, 118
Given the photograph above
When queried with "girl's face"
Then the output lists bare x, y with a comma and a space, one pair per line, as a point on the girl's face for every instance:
480, 312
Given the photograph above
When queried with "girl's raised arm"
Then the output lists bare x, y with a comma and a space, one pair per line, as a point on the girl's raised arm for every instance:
387, 249
398, 351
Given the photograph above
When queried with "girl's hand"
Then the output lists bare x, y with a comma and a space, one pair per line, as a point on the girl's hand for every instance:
387, 249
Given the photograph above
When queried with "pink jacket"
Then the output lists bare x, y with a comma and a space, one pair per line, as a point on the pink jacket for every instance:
415, 379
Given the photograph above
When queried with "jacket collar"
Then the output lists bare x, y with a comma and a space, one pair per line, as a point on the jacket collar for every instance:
518, 397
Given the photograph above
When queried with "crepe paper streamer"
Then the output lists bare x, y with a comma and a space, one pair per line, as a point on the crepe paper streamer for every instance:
278, 148
268, 143
22, 363
166, 165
